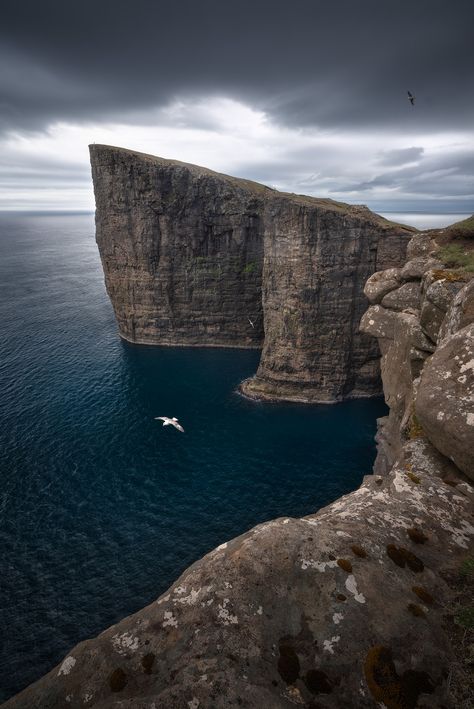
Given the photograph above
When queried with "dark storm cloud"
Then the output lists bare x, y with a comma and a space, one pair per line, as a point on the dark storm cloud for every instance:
309, 62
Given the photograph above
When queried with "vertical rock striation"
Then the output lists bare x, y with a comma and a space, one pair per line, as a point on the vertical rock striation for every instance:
191, 256
181, 248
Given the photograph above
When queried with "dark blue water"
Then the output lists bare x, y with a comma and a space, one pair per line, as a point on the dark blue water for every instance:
101, 507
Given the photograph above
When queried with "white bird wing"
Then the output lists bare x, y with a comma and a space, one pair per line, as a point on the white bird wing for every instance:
178, 426
161, 418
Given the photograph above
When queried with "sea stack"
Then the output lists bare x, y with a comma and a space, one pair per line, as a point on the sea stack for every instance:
191, 255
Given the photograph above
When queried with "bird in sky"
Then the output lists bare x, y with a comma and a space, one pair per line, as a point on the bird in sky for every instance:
170, 422
411, 98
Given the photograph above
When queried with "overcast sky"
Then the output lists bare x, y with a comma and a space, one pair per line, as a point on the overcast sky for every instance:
305, 96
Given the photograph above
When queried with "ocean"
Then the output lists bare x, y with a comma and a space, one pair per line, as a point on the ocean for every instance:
101, 508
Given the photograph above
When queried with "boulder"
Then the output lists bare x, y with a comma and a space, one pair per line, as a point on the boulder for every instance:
460, 312
407, 296
417, 267
445, 399
381, 283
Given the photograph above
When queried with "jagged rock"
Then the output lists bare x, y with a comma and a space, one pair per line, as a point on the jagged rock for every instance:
381, 283
445, 399
407, 296
460, 312
296, 611
417, 267
422, 244
190, 255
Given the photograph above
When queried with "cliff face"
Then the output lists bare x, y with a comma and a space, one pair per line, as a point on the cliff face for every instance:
181, 248
348, 607
191, 257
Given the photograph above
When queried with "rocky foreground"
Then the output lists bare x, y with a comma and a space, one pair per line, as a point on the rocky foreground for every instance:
193, 257
344, 608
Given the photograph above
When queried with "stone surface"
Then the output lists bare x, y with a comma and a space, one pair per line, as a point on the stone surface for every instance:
190, 255
422, 244
293, 613
381, 283
417, 267
460, 312
407, 296
445, 399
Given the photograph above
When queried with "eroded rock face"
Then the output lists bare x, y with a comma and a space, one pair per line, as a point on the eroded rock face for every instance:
294, 612
445, 400
191, 256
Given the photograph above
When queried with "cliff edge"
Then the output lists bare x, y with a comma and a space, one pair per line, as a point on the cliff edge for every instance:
352, 606
194, 257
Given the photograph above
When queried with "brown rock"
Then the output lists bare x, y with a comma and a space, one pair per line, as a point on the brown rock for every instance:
407, 296
445, 399
381, 283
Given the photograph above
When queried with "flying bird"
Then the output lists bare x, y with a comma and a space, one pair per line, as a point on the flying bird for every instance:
170, 422
250, 321
411, 98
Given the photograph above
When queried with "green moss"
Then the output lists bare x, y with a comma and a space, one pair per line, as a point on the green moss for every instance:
249, 268
467, 568
387, 686
288, 664
465, 618
451, 276
416, 429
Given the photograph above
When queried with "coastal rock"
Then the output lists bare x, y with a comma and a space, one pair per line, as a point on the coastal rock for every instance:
445, 399
191, 256
460, 312
407, 296
381, 283
421, 244
313, 611
438, 294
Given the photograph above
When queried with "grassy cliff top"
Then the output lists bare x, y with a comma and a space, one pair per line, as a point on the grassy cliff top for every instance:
261, 191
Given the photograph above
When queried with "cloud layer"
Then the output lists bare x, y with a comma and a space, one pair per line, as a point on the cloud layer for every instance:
309, 96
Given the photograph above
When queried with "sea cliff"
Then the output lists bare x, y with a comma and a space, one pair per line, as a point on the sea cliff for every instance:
351, 606
194, 257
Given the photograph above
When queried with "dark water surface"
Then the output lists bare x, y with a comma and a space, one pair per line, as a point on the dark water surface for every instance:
101, 507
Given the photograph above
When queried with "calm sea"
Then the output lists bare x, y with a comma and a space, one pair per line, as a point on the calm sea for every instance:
101, 507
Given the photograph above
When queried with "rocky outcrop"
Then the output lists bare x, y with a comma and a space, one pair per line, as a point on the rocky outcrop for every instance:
191, 257
340, 609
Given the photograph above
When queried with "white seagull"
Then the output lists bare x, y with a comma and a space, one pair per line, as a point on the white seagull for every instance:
170, 422
251, 322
